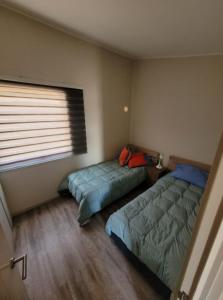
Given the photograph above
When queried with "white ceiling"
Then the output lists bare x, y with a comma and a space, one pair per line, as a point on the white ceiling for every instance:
137, 28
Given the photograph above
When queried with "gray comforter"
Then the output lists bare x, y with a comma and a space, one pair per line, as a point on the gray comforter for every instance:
99, 185
157, 226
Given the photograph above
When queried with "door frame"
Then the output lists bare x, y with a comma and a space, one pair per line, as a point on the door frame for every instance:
213, 231
210, 282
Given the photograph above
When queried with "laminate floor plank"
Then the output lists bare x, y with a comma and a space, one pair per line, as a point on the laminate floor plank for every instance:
69, 262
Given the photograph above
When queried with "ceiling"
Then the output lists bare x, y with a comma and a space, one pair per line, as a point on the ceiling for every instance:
136, 28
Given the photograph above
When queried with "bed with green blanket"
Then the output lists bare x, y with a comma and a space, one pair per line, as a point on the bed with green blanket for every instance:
99, 185
157, 226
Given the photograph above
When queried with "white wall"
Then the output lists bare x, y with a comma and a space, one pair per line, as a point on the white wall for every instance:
33, 52
210, 209
210, 283
177, 106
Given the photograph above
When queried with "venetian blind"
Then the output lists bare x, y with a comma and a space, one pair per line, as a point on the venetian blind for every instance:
39, 123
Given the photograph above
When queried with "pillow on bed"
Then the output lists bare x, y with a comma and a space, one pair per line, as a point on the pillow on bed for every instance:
191, 174
137, 160
124, 156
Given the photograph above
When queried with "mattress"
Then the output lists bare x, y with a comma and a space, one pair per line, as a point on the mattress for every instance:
157, 226
97, 186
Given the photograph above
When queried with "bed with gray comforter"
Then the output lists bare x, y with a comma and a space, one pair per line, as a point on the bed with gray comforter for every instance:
157, 226
99, 185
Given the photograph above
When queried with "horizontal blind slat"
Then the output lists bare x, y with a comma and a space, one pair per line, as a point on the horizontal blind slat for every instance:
27, 89
40, 118
37, 154
21, 101
40, 125
40, 133
16, 110
30, 126
40, 88
76, 99
29, 102
34, 140
35, 118
33, 133
32, 148
32, 95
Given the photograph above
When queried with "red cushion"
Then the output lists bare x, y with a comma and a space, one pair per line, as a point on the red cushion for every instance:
124, 157
137, 160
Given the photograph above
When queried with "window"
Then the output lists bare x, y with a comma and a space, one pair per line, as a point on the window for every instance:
39, 124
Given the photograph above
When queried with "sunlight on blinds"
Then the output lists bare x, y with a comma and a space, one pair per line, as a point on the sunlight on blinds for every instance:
38, 121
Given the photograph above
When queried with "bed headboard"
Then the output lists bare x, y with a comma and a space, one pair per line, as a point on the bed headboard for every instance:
149, 152
173, 160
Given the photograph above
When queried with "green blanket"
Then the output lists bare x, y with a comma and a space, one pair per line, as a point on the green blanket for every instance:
99, 185
157, 226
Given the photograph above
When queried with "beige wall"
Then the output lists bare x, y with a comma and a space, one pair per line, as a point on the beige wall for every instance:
177, 106
33, 52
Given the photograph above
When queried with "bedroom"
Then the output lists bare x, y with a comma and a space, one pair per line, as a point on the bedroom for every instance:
164, 95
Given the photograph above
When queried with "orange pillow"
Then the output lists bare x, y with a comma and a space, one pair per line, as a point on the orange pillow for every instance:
137, 160
124, 156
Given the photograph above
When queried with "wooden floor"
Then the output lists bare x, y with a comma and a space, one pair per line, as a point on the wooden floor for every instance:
66, 261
